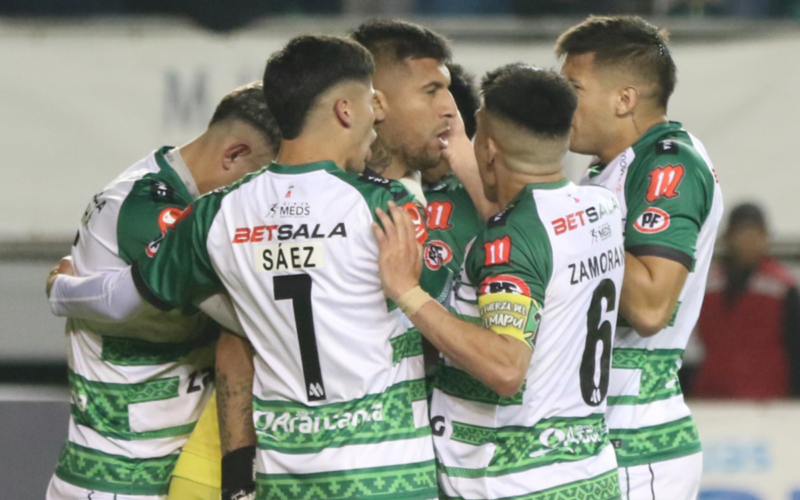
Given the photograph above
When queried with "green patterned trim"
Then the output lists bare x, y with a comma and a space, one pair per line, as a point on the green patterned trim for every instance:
518, 448
406, 345
95, 470
659, 379
460, 384
131, 352
602, 487
103, 407
401, 482
656, 443
290, 427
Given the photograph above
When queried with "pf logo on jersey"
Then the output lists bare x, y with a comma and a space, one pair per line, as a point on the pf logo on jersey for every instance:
437, 254
652, 220
505, 283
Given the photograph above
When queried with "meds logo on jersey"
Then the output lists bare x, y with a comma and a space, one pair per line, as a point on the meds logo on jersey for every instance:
289, 209
505, 283
652, 220
168, 217
437, 254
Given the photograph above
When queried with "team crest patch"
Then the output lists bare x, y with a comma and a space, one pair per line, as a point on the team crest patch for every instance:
505, 283
664, 182
168, 217
420, 229
653, 220
437, 254
497, 252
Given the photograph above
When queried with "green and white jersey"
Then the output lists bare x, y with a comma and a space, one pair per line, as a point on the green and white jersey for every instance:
452, 223
134, 402
672, 205
339, 393
546, 270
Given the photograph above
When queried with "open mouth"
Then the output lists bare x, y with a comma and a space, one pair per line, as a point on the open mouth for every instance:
444, 139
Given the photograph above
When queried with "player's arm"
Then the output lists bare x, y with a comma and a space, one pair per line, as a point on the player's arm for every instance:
234, 383
460, 154
667, 206
499, 361
650, 292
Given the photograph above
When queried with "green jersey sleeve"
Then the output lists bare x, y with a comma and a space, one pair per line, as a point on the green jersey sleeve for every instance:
175, 270
150, 208
669, 196
452, 223
510, 264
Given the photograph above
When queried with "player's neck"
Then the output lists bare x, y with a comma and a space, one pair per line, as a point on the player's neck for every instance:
396, 170
513, 182
631, 131
196, 154
304, 150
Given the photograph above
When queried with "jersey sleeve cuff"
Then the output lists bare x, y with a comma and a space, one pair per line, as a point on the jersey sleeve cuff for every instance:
664, 252
145, 291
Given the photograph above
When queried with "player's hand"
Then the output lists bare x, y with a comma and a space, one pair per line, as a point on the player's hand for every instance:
459, 152
63, 267
400, 257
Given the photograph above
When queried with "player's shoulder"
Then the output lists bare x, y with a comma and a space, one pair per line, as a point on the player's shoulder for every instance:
376, 191
675, 151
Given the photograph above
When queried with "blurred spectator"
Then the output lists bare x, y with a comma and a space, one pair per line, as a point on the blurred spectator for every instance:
750, 322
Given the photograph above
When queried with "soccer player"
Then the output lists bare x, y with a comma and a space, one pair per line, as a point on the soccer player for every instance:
339, 396
138, 386
411, 80
518, 411
452, 218
624, 75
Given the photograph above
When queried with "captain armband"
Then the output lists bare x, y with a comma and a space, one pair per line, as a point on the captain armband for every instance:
511, 314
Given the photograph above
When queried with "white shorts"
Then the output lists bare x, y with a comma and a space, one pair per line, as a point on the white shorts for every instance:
677, 479
61, 490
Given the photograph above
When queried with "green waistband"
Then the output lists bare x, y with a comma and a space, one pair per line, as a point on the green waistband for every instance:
95, 470
655, 443
659, 374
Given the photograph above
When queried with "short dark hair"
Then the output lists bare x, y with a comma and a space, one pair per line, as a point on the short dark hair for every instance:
747, 214
627, 41
304, 69
248, 105
401, 40
462, 86
538, 100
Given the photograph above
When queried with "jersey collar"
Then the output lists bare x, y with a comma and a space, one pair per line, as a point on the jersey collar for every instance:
305, 168
169, 158
529, 188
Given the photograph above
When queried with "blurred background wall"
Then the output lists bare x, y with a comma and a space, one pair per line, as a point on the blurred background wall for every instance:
88, 87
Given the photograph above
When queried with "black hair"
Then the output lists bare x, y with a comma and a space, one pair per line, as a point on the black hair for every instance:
625, 41
401, 40
304, 69
540, 101
247, 104
462, 86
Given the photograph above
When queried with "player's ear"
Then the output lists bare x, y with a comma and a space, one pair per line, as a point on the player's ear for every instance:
343, 112
379, 104
491, 153
235, 151
627, 99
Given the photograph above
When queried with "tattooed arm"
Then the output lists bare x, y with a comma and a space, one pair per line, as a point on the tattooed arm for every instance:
235, 411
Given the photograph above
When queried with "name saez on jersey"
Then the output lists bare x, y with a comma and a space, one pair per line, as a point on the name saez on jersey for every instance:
595, 218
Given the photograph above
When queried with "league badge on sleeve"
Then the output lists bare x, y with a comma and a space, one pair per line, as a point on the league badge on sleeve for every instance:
653, 220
